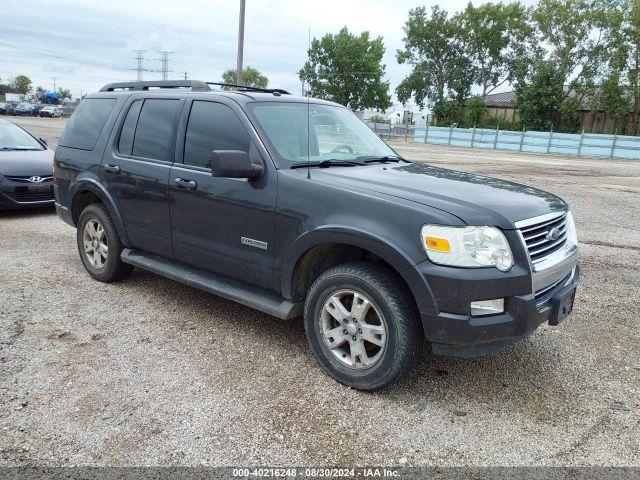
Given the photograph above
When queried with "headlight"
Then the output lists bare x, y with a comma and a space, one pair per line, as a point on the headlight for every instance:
467, 246
572, 235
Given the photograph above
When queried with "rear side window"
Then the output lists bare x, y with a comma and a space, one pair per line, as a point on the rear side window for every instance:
155, 130
125, 143
86, 123
212, 126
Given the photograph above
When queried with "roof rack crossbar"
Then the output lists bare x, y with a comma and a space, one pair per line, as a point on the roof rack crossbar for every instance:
194, 85
249, 88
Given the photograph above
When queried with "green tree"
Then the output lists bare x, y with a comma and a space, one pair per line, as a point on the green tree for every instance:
441, 70
250, 77
623, 43
64, 93
476, 110
562, 62
21, 84
347, 69
40, 90
493, 34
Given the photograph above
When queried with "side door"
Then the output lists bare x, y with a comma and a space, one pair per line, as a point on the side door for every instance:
223, 225
136, 167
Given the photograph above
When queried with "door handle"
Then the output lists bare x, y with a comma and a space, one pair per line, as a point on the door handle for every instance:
109, 167
185, 184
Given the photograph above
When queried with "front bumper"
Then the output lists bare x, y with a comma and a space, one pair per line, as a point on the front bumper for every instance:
528, 302
19, 194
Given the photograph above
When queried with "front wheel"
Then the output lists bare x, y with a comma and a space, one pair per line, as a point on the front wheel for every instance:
99, 245
362, 326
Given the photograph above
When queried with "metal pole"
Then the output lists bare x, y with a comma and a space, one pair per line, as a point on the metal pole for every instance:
473, 135
521, 140
495, 139
550, 137
426, 133
580, 144
450, 132
240, 44
613, 145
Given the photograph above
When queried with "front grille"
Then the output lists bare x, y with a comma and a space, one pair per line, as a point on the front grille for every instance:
538, 240
28, 196
25, 179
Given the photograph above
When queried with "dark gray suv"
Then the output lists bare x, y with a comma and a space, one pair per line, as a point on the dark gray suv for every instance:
295, 207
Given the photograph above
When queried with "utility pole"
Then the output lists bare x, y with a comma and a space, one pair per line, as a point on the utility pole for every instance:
240, 43
54, 83
185, 75
164, 62
140, 60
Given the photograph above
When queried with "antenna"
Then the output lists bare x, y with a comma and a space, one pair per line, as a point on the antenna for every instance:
308, 118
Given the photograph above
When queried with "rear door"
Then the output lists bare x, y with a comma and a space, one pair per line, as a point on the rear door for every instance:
224, 225
136, 170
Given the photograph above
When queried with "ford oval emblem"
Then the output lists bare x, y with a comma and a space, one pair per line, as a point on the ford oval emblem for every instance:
553, 234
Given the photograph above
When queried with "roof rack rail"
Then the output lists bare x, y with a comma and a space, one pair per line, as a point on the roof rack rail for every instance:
195, 85
249, 88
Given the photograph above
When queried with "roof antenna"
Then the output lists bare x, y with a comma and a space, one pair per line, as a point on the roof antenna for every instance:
308, 119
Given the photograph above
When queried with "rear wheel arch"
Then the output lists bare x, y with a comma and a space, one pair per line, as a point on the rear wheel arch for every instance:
87, 192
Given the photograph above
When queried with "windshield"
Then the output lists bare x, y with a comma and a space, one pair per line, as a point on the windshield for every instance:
24, 105
334, 133
13, 137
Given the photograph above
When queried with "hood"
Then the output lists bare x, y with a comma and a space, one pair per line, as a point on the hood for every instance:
475, 199
26, 163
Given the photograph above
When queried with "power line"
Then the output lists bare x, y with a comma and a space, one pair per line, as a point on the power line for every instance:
140, 62
164, 64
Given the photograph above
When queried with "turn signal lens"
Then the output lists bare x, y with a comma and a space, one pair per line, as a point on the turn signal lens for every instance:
437, 244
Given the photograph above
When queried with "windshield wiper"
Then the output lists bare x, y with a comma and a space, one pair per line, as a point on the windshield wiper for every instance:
328, 163
19, 149
383, 159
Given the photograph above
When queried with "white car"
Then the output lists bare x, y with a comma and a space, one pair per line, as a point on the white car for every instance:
51, 111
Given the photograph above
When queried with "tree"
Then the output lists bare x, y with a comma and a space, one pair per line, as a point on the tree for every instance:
347, 69
64, 93
250, 77
40, 90
434, 47
623, 42
476, 110
493, 34
562, 62
21, 84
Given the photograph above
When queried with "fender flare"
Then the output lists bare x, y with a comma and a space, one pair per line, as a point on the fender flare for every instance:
94, 186
399, 261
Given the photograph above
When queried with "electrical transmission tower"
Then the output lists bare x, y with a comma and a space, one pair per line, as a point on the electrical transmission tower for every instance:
164, 63
140, 60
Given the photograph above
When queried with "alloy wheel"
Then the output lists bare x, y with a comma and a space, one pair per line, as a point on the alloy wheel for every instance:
94, 239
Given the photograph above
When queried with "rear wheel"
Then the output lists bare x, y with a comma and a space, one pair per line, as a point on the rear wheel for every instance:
361, 325
99, 245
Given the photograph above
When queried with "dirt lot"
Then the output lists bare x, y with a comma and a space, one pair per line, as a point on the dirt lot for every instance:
151, 372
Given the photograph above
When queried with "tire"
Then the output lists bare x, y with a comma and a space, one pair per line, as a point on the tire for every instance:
391, 322
102, 264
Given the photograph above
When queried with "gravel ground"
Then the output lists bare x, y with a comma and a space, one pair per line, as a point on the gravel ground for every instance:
151, 372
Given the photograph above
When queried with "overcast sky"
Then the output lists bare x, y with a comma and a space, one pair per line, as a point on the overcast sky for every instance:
87, 43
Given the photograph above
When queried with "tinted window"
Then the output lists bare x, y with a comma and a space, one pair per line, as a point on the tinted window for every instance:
125, 144
86, 123
212, 126
154, 133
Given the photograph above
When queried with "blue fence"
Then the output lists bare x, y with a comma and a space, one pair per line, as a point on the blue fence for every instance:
585, 144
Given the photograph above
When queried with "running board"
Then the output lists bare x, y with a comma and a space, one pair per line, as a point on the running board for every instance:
255, 297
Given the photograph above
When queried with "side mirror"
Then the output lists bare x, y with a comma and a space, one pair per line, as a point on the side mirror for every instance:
234, 164
42, 140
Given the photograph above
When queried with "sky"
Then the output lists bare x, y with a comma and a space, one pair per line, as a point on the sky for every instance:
86, 44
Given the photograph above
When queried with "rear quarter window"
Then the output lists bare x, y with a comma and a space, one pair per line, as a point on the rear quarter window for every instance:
86, 123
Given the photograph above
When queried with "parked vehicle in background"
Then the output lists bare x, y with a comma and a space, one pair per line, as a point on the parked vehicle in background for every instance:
37, 108
26, 169
6, 108
293, 206
51, 111
24, 109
